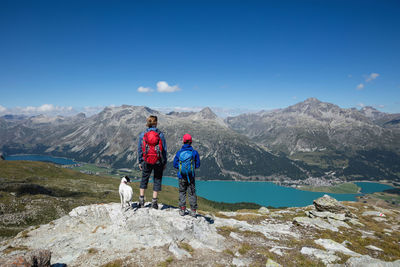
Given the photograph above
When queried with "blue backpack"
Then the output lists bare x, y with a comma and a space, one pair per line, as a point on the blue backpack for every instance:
186, 164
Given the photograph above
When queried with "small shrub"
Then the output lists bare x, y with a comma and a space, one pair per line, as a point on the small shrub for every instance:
25, 234
167, 262
115, 263
186, 247
225, 231
244, 248
92, 251
229, 252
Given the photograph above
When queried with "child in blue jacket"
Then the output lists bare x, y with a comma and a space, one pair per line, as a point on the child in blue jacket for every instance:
186, 161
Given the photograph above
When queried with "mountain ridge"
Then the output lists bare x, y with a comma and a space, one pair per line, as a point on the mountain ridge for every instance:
308, 139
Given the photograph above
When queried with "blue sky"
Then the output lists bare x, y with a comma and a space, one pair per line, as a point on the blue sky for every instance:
243, 55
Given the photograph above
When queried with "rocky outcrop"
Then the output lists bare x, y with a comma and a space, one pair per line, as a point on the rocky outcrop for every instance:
102, 234
328, 214
329, 204
35, 258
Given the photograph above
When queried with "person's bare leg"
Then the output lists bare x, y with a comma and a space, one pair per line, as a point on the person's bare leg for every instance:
155, 194
141, 191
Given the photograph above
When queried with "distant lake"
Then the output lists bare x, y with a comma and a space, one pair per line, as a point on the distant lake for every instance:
369, 188
60, 161
263, 193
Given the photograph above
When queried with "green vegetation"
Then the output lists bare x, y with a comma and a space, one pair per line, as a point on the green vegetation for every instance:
186, 247
389, 198
89, 168
346, 188
115, 263
167, 262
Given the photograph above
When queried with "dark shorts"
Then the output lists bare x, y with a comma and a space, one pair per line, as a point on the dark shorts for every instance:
146, 172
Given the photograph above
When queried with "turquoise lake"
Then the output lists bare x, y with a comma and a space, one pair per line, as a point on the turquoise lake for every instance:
263, 193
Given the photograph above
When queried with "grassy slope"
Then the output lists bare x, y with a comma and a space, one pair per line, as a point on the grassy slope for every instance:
346, 188
33, 193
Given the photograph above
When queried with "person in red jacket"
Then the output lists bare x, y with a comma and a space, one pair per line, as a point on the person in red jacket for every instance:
152, 156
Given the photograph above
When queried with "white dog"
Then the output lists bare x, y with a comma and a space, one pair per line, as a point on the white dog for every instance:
125, 192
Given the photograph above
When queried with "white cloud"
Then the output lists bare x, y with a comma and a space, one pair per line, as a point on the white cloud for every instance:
361, 105
89, 111
372, 77
163, 87
142, 89
2, 109
360, 86
46, 108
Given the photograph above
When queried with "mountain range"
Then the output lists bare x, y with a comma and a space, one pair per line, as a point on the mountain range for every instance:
309, 139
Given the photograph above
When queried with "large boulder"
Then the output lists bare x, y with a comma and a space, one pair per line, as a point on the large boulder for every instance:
328, 203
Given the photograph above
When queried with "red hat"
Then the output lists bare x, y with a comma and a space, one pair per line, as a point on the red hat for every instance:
187, 137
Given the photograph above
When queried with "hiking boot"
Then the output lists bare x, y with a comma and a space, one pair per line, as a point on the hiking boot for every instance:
141, 202
182, 211
154, 204
193, 213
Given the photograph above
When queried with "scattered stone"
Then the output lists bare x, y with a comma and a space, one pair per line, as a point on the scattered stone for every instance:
263, 210
278, 250
271, 263
366, 233
337, 223
325, 256
178, 252
331, 245
367, 261
314, 222
380, 219
241, 262
373, 213
236, 236
356, 222
326, 215
374, 248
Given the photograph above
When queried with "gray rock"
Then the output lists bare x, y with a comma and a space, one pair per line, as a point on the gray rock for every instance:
328, 203
374, 248
327, 214
178, 252
333, 246
325, 256
263, 210
338, 224
356, 222
271, 263
314, 222
38, 258
278, 250
236, 236
367, 261
105, 227
373, 213
241, 262
379, 219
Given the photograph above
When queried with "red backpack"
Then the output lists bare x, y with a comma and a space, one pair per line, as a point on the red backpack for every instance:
152, 147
